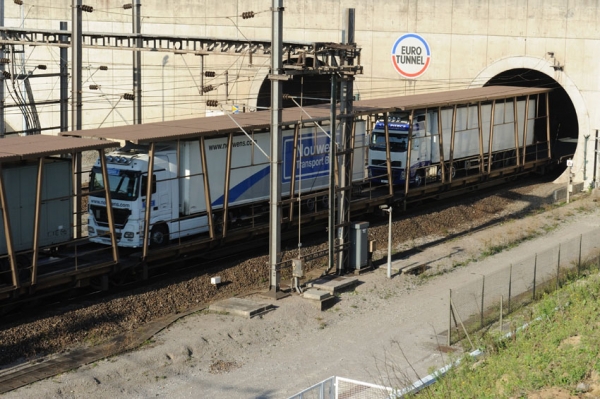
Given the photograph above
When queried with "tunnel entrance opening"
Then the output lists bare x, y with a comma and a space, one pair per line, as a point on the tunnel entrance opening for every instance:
313, 89
564, 127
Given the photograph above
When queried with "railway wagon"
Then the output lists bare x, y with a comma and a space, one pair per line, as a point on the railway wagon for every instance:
56, 210
468, 137
183, 183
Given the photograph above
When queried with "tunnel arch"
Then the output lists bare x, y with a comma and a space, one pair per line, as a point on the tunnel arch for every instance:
569, 120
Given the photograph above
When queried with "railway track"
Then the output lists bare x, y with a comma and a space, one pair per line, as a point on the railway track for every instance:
87, 322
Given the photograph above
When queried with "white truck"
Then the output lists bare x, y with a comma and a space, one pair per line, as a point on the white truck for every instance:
425, 160
178, 198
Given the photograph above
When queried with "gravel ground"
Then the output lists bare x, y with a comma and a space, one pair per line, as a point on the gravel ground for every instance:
93, 323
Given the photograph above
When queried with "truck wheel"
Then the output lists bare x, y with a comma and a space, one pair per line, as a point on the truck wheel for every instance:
418, 180
159, 235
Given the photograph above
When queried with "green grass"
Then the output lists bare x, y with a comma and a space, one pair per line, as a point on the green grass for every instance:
560, 348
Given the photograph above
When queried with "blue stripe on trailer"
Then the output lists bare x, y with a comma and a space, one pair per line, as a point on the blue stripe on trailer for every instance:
239, 189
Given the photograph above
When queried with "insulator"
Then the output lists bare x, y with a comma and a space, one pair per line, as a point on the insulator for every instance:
210, 74
129, 96
4, 61
212, 103
42, 67
208, 88
103, 68
18, 2
127, 6
286, 96
87, 8
94, 87
248, 14
6, 74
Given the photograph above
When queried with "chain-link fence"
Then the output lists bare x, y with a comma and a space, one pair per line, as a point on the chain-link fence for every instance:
493, 296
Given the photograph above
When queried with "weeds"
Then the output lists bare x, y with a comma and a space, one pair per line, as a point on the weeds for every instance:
558, 349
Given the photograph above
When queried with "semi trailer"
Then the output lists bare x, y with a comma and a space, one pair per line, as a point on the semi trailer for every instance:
179, 196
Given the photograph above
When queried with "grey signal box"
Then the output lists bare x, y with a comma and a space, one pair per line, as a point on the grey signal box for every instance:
359, 247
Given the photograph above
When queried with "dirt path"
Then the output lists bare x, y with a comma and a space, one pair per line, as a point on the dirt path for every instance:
397, 321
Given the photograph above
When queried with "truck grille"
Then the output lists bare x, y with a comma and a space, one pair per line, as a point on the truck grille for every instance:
101, 216
382, 162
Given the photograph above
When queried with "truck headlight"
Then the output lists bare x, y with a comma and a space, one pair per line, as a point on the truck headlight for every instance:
128, 234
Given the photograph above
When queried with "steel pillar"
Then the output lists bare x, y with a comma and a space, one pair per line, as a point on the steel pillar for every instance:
137, 64
345, 165
76, 85
64, 81
275, 161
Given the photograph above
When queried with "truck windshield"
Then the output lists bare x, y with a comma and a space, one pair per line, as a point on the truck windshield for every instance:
398, 142
124, 184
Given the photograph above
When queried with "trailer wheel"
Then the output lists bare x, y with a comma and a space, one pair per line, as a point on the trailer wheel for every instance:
452, 169
310, 205
159, 235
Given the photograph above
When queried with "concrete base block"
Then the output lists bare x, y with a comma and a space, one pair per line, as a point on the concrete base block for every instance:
316, 295
240, 307
320, 299
333, 284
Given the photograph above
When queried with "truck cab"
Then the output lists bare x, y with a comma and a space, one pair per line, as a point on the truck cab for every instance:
128, 179
398, 129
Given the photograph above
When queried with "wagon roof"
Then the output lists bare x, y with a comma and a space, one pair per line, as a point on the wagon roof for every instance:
444, 98
224, 124
16, 148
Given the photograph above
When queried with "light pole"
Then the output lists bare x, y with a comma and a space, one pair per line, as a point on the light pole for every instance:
388, 209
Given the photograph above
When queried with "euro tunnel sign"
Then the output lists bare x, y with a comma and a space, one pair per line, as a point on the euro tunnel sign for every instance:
411, 55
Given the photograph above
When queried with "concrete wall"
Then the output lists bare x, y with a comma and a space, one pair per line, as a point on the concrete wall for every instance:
470, 41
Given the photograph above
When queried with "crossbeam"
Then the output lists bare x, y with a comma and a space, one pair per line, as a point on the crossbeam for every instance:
150, 42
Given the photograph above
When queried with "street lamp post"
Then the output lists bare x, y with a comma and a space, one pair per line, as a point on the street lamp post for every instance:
388, 209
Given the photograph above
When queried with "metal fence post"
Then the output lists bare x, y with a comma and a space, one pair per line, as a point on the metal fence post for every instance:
509, 286
558, 270
501, 304
482, 295
534, 273
579, 260
450, 320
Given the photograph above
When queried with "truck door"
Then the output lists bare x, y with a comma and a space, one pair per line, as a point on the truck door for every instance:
162, 197
160, 204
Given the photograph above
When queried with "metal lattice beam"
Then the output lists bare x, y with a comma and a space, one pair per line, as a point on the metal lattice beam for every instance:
165, 43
